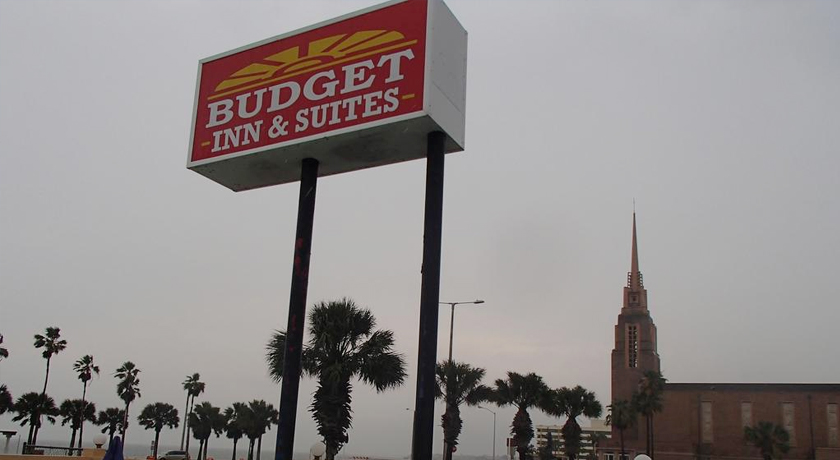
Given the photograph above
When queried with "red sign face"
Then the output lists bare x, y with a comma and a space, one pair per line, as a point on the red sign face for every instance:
364, 69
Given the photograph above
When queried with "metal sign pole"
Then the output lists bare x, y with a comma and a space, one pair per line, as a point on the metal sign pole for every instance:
424, 406
297, 312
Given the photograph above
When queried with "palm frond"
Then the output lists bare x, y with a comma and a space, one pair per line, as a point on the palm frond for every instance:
478, 395
383, 371
380, 366
275, 355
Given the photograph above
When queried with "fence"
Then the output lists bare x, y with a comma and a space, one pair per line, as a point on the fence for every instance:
50, 450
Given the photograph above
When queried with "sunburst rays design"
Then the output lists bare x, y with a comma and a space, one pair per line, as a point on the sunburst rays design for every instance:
320, 53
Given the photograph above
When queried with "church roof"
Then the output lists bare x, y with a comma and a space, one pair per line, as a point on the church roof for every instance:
813, 387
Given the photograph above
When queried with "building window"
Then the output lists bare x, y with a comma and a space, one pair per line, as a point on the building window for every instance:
632, 345
706, 422
609, 456
746, 414
788, 417
832, 424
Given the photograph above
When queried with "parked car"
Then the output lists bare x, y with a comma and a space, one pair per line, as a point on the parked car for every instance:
175, 455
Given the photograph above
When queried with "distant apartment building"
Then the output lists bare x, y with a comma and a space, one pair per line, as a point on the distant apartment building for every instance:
596, 433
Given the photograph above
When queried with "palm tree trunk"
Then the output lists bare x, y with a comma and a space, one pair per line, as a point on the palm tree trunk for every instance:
186, 420
157, 437
332, 449
652, 448
251, 448
82, 425
37, 427
187, 445
259, 447
233, 456
621, 440
449, 422
72, 439
521, 426
46, 378
125, 422
125, 426
111, 436
31, 432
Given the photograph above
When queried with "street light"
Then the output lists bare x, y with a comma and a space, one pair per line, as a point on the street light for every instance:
317, 450
451, 330
494, 429
99, 440
452, 319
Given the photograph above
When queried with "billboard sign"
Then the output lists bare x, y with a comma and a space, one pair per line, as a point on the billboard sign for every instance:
358, 91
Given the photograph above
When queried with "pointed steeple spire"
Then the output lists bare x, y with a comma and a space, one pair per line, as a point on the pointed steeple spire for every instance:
634, 281
635, 294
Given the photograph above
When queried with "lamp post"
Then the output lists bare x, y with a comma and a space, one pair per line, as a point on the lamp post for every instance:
494, 429
446, 448
452, 319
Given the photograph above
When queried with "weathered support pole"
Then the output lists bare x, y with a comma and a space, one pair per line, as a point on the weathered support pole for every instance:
297, 312
424, 406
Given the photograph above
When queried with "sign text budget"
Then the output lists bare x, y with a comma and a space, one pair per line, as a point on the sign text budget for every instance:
356, 71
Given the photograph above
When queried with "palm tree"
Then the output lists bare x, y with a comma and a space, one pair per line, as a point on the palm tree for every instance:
156, 416
622, 416
458, 383
596, 438
6, 401
85, 368
648, 401
769, 438
4, 353
343, 345
75, 412
258, 418
547, 451
128, 389
234, 429
206, 420
30, 407
194, 387
246, 419
52, 346
112, 419
524, 392
572, 403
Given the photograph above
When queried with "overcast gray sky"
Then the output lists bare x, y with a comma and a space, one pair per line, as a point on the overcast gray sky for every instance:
719, 118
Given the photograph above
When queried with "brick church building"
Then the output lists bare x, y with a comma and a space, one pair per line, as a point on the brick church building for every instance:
705, 421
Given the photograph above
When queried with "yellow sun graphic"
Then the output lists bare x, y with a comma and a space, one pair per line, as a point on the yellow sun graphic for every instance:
322, 53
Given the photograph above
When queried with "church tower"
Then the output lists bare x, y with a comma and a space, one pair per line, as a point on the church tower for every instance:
635, 334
